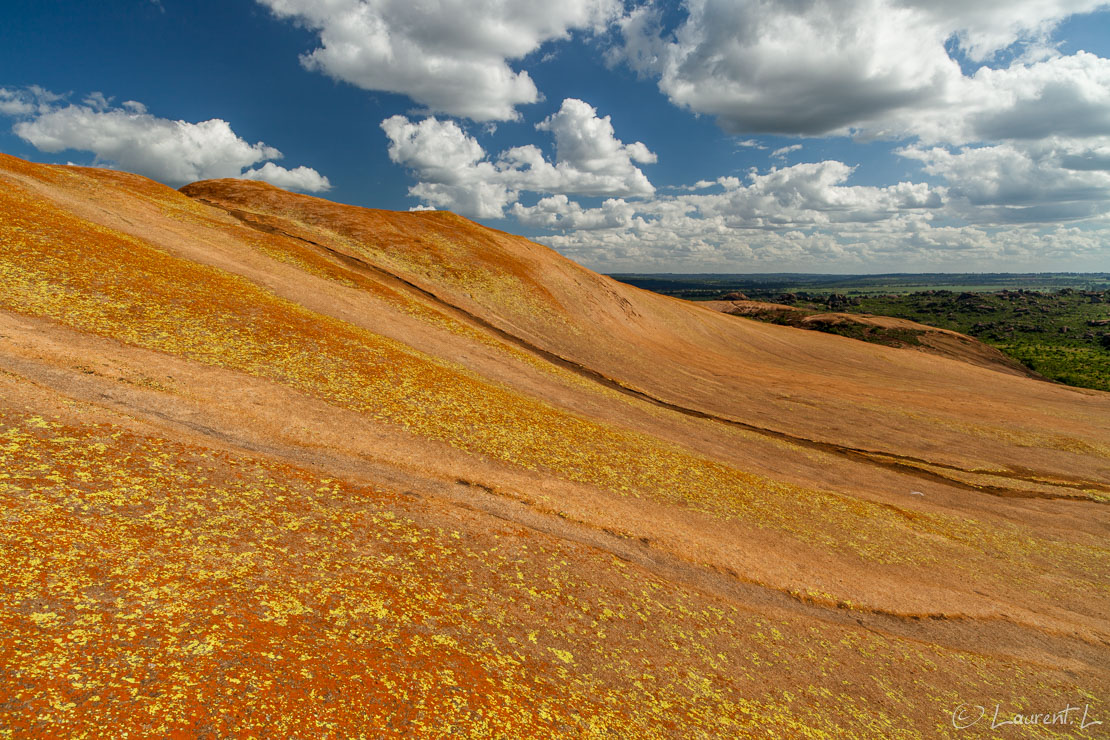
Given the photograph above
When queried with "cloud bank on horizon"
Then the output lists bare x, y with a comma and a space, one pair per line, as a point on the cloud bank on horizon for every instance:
988, 143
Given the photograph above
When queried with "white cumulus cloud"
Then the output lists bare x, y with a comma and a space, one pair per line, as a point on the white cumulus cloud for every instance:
25, 101
1051, 180
781, 152
1064, 96
815, 67
559, 212
450, 56
807, 217
304, 179
455, 172
12, 103
812, 194
1016, 133
174, 152
801, 217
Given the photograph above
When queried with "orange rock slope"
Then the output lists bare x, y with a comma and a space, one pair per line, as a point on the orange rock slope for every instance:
273, 466
886, 330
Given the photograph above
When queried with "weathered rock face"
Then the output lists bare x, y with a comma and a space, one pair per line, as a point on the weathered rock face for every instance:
883, 330
274, 465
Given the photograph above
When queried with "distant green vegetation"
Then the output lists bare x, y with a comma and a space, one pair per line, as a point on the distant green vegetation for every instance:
764, 286
1055, 324
1063, 335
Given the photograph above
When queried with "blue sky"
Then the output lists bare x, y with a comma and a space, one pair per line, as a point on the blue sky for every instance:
706, 136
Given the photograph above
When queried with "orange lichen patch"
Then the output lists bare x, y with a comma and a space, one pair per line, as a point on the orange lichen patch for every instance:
120, 287
311, 258
246, 489
440, 248
110, 188
168, 590
99, 280
45, 172
164, 589
292, 252
1022, 437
